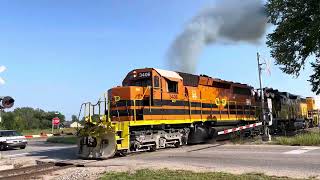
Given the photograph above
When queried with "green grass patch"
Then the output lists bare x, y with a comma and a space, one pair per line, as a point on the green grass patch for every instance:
63, 139
36, 131
305, 139
48, 131
146, 174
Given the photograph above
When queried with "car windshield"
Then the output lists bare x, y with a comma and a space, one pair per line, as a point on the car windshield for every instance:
9, 133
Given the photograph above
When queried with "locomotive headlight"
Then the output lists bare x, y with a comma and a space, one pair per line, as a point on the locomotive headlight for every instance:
134, 74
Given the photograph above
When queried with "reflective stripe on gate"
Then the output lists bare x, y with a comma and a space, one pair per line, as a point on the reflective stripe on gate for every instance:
227, 131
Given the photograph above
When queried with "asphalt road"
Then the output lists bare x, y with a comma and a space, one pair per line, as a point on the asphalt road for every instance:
40, 149
272, 160
288, 161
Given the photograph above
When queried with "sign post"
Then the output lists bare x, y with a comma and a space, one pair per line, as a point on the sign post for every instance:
55, 122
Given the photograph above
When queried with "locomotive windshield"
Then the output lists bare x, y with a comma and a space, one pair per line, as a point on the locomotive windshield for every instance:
142, 79
140, 82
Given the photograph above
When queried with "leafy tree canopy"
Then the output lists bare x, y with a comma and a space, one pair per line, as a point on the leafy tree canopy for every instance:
74, 118
28, 118
296, 37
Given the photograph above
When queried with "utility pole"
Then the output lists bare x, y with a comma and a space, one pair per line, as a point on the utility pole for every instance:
266, 135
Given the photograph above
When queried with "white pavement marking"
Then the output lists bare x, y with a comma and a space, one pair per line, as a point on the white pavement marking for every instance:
17, 155
302, 150
30, 153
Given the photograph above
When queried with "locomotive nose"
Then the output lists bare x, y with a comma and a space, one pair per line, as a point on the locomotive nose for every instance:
100, 146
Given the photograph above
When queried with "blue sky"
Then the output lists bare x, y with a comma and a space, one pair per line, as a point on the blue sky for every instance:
62, 53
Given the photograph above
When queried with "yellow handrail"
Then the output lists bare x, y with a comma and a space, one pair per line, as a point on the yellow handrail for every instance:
134, 102
148, 87
134, 110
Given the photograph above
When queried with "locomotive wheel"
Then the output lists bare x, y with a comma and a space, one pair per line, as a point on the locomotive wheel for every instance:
122, 153
2, 147
153, 148
177, 145
198, 134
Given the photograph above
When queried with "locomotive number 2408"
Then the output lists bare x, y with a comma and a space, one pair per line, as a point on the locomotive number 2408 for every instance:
144, 74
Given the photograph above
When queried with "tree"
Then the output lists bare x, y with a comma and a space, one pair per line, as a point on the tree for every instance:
28, 118
53, 114
74, 118
296, 37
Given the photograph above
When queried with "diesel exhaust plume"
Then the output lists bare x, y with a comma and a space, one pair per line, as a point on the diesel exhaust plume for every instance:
228, 21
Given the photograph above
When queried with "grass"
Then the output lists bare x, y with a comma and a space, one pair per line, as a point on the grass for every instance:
63, 139
48, 131
165, 174
237, 139
36, 131
305, 139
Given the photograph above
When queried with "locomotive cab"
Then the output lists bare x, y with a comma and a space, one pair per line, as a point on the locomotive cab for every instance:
143, 88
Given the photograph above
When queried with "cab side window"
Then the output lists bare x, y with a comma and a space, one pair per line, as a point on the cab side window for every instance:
172, 86
156, 82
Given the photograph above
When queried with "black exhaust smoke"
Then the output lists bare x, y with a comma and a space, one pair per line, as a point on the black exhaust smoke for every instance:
229, 21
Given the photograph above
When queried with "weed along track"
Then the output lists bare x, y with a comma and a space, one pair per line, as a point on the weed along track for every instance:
28, 172
32, 172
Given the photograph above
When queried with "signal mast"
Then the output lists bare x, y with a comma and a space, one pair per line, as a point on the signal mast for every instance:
6, 102
266, 135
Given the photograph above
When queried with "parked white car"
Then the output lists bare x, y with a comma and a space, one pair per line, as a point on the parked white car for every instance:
12, 139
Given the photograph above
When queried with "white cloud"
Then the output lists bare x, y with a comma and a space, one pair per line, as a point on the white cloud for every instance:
2, 81
2, 68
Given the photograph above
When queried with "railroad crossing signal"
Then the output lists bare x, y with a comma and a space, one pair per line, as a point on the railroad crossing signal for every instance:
266, 134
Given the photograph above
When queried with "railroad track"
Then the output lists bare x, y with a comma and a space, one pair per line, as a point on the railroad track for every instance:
33, 172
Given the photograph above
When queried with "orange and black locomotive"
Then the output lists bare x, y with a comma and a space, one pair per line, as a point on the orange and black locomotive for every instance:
157, 108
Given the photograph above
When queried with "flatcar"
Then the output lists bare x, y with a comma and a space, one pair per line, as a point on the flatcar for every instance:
156, 108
